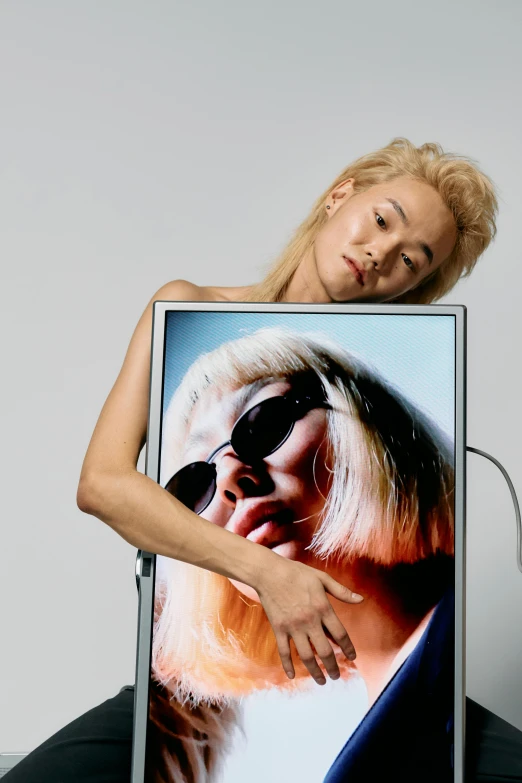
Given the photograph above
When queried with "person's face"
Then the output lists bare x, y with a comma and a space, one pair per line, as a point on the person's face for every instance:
382, 242
277, 501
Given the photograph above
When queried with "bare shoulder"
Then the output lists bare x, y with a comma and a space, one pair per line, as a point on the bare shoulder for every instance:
184, 291
181, 291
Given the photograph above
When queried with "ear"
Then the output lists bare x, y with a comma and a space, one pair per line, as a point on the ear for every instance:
339, 196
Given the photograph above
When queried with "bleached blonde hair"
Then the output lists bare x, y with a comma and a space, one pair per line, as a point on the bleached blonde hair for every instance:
467, 192
390, 501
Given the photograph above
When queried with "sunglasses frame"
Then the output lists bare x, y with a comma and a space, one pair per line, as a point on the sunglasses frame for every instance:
313, 401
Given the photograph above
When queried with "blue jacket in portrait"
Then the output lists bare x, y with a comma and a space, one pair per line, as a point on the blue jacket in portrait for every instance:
407, 735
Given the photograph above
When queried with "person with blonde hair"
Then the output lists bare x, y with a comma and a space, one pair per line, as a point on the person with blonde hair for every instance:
459, 228
328, 465
404, 223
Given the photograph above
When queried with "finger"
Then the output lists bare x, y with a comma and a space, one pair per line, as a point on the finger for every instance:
307, 656
325, 652
340, 591
338, 633
285, 653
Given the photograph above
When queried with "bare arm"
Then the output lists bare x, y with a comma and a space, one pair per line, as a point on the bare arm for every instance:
149, 518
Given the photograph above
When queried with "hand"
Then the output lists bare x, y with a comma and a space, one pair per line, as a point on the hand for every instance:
294, 598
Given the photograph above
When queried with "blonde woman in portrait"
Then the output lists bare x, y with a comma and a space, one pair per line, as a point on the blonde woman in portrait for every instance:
290, 441
401, 224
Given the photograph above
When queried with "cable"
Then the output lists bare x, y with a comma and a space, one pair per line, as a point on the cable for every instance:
468, 448
513, 496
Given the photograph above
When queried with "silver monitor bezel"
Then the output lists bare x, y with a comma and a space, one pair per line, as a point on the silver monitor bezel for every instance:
146, 583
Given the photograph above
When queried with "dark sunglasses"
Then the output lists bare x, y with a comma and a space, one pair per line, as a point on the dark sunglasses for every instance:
257, 433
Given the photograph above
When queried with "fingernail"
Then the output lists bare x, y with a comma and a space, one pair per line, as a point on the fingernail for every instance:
290, 675
357, 597
322, 681
352, 655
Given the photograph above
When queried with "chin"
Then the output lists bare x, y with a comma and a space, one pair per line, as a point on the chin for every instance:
290, 550
345, 296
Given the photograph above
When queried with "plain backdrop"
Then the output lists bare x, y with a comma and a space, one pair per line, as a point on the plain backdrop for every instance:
142, 142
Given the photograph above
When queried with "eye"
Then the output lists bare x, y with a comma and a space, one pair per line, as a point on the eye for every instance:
380, 221
409, 263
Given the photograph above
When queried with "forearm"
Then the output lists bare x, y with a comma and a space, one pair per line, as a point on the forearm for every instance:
148, 518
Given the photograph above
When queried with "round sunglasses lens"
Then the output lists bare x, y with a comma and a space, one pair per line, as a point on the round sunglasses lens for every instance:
262, 429
194, 485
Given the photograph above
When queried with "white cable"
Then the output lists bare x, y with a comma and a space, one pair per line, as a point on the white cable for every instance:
513, 496
468, 448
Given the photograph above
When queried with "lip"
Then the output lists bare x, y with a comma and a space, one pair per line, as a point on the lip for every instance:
261, 520
271, 533
356, 268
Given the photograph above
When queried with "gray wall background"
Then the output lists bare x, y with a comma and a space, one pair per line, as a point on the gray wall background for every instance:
145, 141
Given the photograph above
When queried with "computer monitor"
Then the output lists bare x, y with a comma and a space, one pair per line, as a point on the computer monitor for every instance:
333, 435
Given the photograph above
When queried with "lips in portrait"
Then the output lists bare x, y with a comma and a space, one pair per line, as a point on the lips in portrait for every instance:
270, 524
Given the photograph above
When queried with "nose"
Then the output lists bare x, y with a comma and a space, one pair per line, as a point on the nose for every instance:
236, 480
382, 252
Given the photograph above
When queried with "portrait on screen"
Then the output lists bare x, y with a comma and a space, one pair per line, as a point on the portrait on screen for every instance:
329, 439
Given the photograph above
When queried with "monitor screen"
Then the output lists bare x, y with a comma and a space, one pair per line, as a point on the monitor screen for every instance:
329, 438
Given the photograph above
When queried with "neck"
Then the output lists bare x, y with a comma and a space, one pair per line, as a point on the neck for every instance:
398, 604
305, 285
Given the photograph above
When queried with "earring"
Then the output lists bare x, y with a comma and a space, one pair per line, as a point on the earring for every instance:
327, 206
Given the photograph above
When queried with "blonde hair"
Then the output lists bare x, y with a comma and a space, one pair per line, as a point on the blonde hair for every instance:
464, 189
390, 501
188, 743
